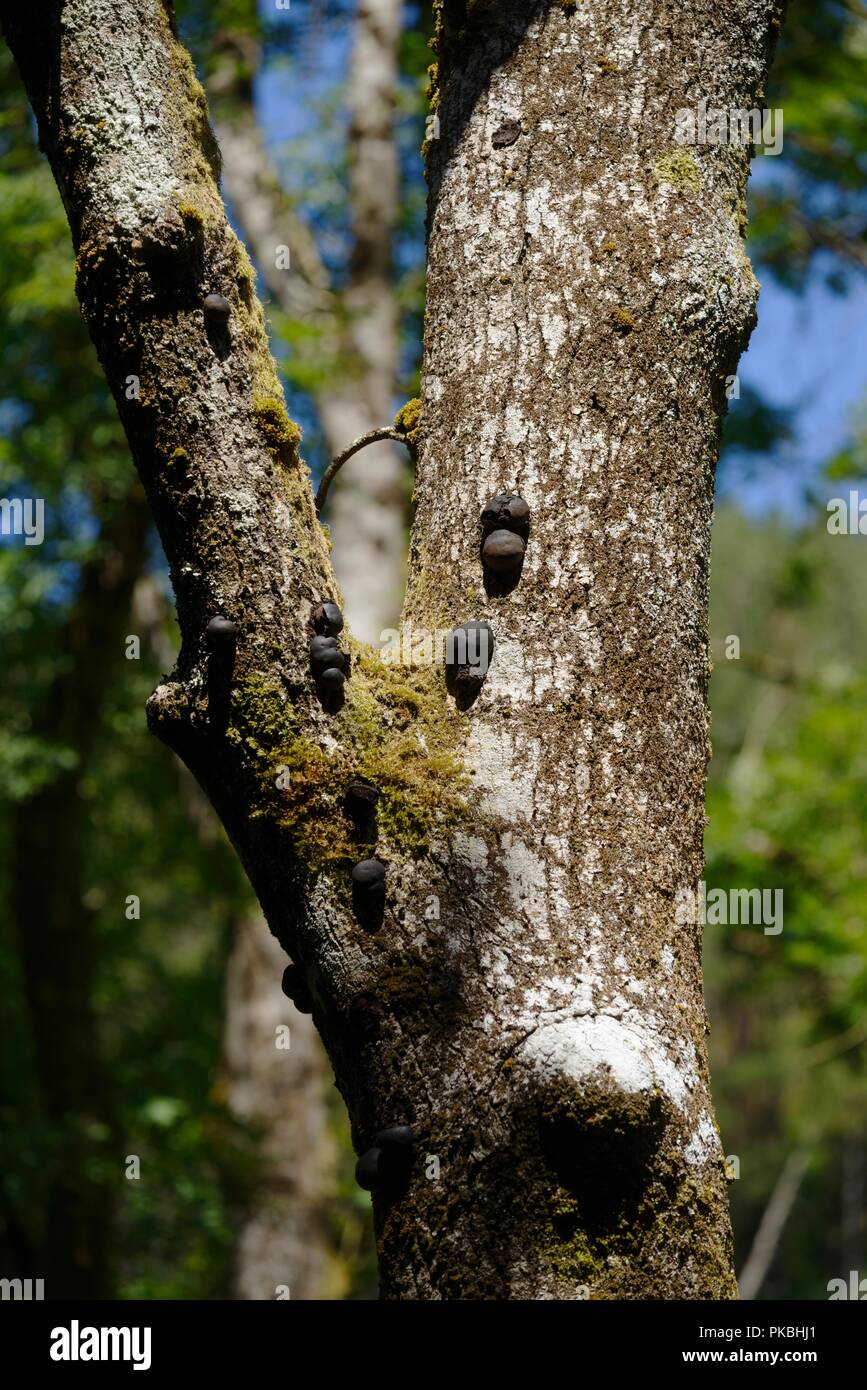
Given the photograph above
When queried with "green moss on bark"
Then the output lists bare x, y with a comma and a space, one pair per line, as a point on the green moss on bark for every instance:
280, 434
408, 421
678, 168
395, 729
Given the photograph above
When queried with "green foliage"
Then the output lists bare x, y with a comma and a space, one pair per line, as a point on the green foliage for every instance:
787, 808
813, 197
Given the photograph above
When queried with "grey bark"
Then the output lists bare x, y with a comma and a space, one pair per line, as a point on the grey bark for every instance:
530, 1002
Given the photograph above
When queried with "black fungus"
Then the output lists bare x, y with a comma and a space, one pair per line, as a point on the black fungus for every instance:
503, 551
367, 1173
221, 633
332, 680
326, 618
324, 653
294, 986
368, 893
395, 1137
360, 800
506, 512
217, 310
469, 649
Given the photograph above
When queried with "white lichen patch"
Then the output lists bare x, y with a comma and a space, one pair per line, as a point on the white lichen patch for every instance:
471, 850
505, 782
705, 1142
623, 1052
527, 878
554, 331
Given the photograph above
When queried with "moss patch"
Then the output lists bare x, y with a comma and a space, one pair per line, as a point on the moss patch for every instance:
395, 729
678, 168
243, 271
408, 421
193, 218
281, 435
405, 737
622, 320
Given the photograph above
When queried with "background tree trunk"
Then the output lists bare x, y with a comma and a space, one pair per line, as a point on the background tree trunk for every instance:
543, 1029
285, 1235
283, 1232
368, 510
358, 323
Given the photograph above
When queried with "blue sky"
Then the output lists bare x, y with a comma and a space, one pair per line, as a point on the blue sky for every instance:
808, 352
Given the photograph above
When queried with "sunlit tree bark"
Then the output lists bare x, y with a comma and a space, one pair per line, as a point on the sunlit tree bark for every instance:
527, 1000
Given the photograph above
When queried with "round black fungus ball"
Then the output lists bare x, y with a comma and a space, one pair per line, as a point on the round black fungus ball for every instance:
506, 511
517, 512
221, 632
368, 876
397, 1137
331, 680
327, 619
323, 644
360, 799
470, 647
294, 986
325, 653
217, 309
367, 1169
503, 551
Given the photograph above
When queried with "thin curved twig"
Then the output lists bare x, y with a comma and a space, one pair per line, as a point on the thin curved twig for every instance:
334, 467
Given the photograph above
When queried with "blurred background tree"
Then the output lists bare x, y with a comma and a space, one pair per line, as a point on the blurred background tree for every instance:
140, 988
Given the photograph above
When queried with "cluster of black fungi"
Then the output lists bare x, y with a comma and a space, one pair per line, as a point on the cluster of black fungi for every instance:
505, 530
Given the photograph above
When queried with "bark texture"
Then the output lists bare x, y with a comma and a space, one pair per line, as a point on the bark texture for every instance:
528, 1002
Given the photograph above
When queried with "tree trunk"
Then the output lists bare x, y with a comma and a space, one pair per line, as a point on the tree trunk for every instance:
527, 1000
773, 1223
368, 510
281, 1235
284, 1240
